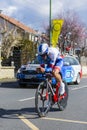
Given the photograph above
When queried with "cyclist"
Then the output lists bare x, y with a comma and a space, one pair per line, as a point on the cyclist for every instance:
51, 56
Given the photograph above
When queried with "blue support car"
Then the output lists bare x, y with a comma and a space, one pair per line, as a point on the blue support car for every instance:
71, 72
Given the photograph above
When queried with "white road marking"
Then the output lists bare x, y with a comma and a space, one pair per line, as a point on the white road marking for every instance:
65, 120
28, 123
79, 88
26, 99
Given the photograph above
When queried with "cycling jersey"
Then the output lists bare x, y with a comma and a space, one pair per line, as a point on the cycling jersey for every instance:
53, 60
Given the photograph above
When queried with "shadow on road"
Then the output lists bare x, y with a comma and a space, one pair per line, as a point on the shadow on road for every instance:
29, 113
9, 84
14, 84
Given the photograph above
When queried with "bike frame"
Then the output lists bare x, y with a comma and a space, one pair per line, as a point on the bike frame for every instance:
55, 94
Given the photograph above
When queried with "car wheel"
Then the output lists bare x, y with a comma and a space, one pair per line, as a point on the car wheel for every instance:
78, 79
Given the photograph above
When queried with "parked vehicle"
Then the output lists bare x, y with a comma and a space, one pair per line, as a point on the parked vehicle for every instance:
71, 72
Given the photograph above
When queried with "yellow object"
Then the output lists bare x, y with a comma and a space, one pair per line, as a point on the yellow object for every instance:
57, 25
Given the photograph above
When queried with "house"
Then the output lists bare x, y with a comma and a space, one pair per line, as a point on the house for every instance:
4, 20
11, 26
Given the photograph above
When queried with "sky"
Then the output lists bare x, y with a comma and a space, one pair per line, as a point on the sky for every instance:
35, 13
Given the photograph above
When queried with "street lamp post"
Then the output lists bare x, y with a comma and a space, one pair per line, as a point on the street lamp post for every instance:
50, 24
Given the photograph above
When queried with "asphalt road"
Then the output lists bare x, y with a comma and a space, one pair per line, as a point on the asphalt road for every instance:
17, 109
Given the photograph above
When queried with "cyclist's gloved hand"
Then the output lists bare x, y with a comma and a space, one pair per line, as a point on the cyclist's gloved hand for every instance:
40, 70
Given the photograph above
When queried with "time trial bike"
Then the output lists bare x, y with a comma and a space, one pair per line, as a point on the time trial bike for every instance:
47, 94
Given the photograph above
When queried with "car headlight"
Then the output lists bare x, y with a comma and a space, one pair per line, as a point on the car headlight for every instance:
23, 67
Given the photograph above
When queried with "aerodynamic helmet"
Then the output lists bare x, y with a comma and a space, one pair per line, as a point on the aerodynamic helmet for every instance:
43, 49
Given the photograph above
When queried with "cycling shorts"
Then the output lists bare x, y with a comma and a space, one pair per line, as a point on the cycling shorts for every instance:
58, 65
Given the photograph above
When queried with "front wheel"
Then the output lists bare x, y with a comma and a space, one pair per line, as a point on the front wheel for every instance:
42, 99
62, 103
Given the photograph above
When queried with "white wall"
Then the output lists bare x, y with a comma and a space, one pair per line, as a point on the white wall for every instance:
7, 72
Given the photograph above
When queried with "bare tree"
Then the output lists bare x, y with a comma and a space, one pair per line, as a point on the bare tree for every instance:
10, 38
73, 28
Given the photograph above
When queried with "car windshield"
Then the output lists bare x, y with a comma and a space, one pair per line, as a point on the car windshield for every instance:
71, 60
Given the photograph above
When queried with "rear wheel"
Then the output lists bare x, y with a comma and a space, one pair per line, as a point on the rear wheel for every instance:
62, 103
42, 99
